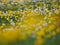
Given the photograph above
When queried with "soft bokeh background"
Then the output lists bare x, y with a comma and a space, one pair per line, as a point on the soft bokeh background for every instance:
29, 22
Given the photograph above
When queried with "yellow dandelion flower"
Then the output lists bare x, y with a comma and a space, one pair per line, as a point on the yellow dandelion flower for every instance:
18, 12
41, 22
56, 12
58, 29
52, 27
8, 19
46, 10
1, 27
40, 33
53, 33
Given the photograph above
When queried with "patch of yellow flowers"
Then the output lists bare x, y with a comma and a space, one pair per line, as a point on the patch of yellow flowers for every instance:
41, 24
32, 24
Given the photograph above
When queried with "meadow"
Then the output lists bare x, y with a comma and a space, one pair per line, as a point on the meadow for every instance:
30, 22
